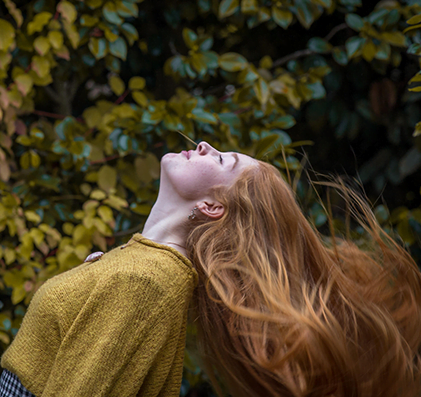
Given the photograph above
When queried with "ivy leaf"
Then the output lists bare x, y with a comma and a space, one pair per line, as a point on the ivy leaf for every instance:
232, 62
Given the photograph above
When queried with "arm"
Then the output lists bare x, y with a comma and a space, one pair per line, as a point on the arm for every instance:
124, 325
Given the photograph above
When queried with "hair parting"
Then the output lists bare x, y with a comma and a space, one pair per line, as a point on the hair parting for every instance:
283, 311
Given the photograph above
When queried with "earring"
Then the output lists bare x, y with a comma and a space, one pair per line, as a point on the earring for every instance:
192, 215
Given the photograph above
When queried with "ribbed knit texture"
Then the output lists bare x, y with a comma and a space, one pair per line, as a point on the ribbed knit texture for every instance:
113, 327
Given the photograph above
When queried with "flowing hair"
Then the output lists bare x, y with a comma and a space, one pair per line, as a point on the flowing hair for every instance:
281, 312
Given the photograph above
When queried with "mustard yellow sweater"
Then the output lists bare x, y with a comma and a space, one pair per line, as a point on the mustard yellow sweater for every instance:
113, 327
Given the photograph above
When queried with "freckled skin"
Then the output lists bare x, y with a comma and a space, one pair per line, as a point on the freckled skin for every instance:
191, 179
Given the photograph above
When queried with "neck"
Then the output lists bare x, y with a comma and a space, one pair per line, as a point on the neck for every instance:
166, 224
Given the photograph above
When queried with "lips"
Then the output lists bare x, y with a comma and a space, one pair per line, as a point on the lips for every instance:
187, 154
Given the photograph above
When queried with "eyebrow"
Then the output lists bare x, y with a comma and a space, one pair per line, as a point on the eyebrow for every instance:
235, 155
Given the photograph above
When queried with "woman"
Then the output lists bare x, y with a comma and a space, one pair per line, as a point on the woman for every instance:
279, 313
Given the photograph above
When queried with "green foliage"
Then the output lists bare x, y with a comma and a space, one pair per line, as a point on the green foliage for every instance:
93, 93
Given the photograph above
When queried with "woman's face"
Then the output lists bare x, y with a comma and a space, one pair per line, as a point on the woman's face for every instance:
192, 174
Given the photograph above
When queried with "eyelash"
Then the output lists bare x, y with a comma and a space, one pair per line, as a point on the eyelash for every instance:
220, 159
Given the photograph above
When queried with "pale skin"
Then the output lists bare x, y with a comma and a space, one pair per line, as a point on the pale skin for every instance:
186, 180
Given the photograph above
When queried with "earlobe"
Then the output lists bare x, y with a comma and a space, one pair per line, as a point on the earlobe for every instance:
213, 210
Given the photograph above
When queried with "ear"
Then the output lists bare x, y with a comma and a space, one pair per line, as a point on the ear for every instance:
211, 209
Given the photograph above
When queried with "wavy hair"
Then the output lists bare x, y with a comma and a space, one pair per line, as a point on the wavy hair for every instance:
281, 312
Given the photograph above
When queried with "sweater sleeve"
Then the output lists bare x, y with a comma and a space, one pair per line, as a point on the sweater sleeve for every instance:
127, 323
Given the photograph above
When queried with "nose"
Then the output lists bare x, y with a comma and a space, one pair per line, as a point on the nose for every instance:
204, 148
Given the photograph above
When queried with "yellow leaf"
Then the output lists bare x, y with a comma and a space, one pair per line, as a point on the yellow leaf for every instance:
85, 188
82, 251
116, 202
18, 294
7, 35
79, 214
107, 178
38, 23
15, 97
262, 91
67, 11
32, 216
117, 85
140, 98
106, 213
5, 338
41, 66
5, 59
24, 83
35, 159
80, 235
63, 52
15, 12
92, 116
394, 38
13, 279
72, 33
137, 83
414, 20
25, 161
37, 235
97, 195
369, 50
88, 20
41, 81
9, 255
68, 228
56, 39
104, 229
42, 45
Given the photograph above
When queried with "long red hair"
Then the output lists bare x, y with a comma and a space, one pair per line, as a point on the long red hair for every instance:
282, 312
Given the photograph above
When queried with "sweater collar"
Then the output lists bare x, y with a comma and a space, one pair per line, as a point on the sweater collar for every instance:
143, 240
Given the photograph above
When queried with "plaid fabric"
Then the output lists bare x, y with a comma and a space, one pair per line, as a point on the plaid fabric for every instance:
10, 386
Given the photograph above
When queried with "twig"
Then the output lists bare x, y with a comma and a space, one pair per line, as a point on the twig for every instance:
335, 30
290, 57
48, 114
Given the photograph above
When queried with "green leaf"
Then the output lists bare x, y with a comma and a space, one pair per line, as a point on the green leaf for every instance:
110, 13
119, 48
198, 62
377, 15
354, 21
189, 38
211, 59
283, 122
305, 13
203, 116
67, 11
232, 62
98, 47
282, 17
130, 32
249, 6
261, 90
352, 46
228, 7
319, 45
340, 56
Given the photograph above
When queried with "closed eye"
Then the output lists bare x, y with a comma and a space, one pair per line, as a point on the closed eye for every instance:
220, 159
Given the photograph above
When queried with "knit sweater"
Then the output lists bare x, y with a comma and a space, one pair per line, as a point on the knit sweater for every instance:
113, 327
